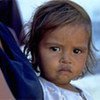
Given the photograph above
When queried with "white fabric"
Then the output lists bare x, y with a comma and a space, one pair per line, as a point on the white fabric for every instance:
53, 92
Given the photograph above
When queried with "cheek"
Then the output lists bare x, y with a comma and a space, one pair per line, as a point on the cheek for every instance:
81, 60
48, 61
48, 68
48, 57
48, 64
80, 64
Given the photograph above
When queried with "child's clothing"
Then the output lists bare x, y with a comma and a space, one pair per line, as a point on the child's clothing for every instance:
53, 92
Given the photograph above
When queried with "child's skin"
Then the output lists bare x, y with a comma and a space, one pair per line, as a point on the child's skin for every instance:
63, 54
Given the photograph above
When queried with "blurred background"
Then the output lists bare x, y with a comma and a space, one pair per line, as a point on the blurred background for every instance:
90, 82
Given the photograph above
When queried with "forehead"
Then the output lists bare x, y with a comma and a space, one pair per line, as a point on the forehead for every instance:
75, 33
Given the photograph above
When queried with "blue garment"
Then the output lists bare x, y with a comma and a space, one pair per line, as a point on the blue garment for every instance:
17, 70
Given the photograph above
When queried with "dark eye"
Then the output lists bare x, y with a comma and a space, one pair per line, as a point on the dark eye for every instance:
77, 51
55, 48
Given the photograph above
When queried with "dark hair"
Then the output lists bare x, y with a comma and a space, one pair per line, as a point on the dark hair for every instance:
54, 14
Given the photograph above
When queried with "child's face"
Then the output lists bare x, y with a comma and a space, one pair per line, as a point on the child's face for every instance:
63, 54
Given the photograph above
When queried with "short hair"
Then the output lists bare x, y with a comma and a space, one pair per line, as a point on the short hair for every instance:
54, 14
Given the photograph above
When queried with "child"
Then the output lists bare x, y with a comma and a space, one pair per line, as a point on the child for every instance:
60, 43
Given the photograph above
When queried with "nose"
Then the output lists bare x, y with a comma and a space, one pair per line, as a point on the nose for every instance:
66, 58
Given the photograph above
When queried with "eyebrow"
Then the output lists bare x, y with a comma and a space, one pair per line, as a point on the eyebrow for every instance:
59, 44
53, 43
82, 47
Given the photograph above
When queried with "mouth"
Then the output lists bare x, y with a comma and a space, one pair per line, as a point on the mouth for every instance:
65, 70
